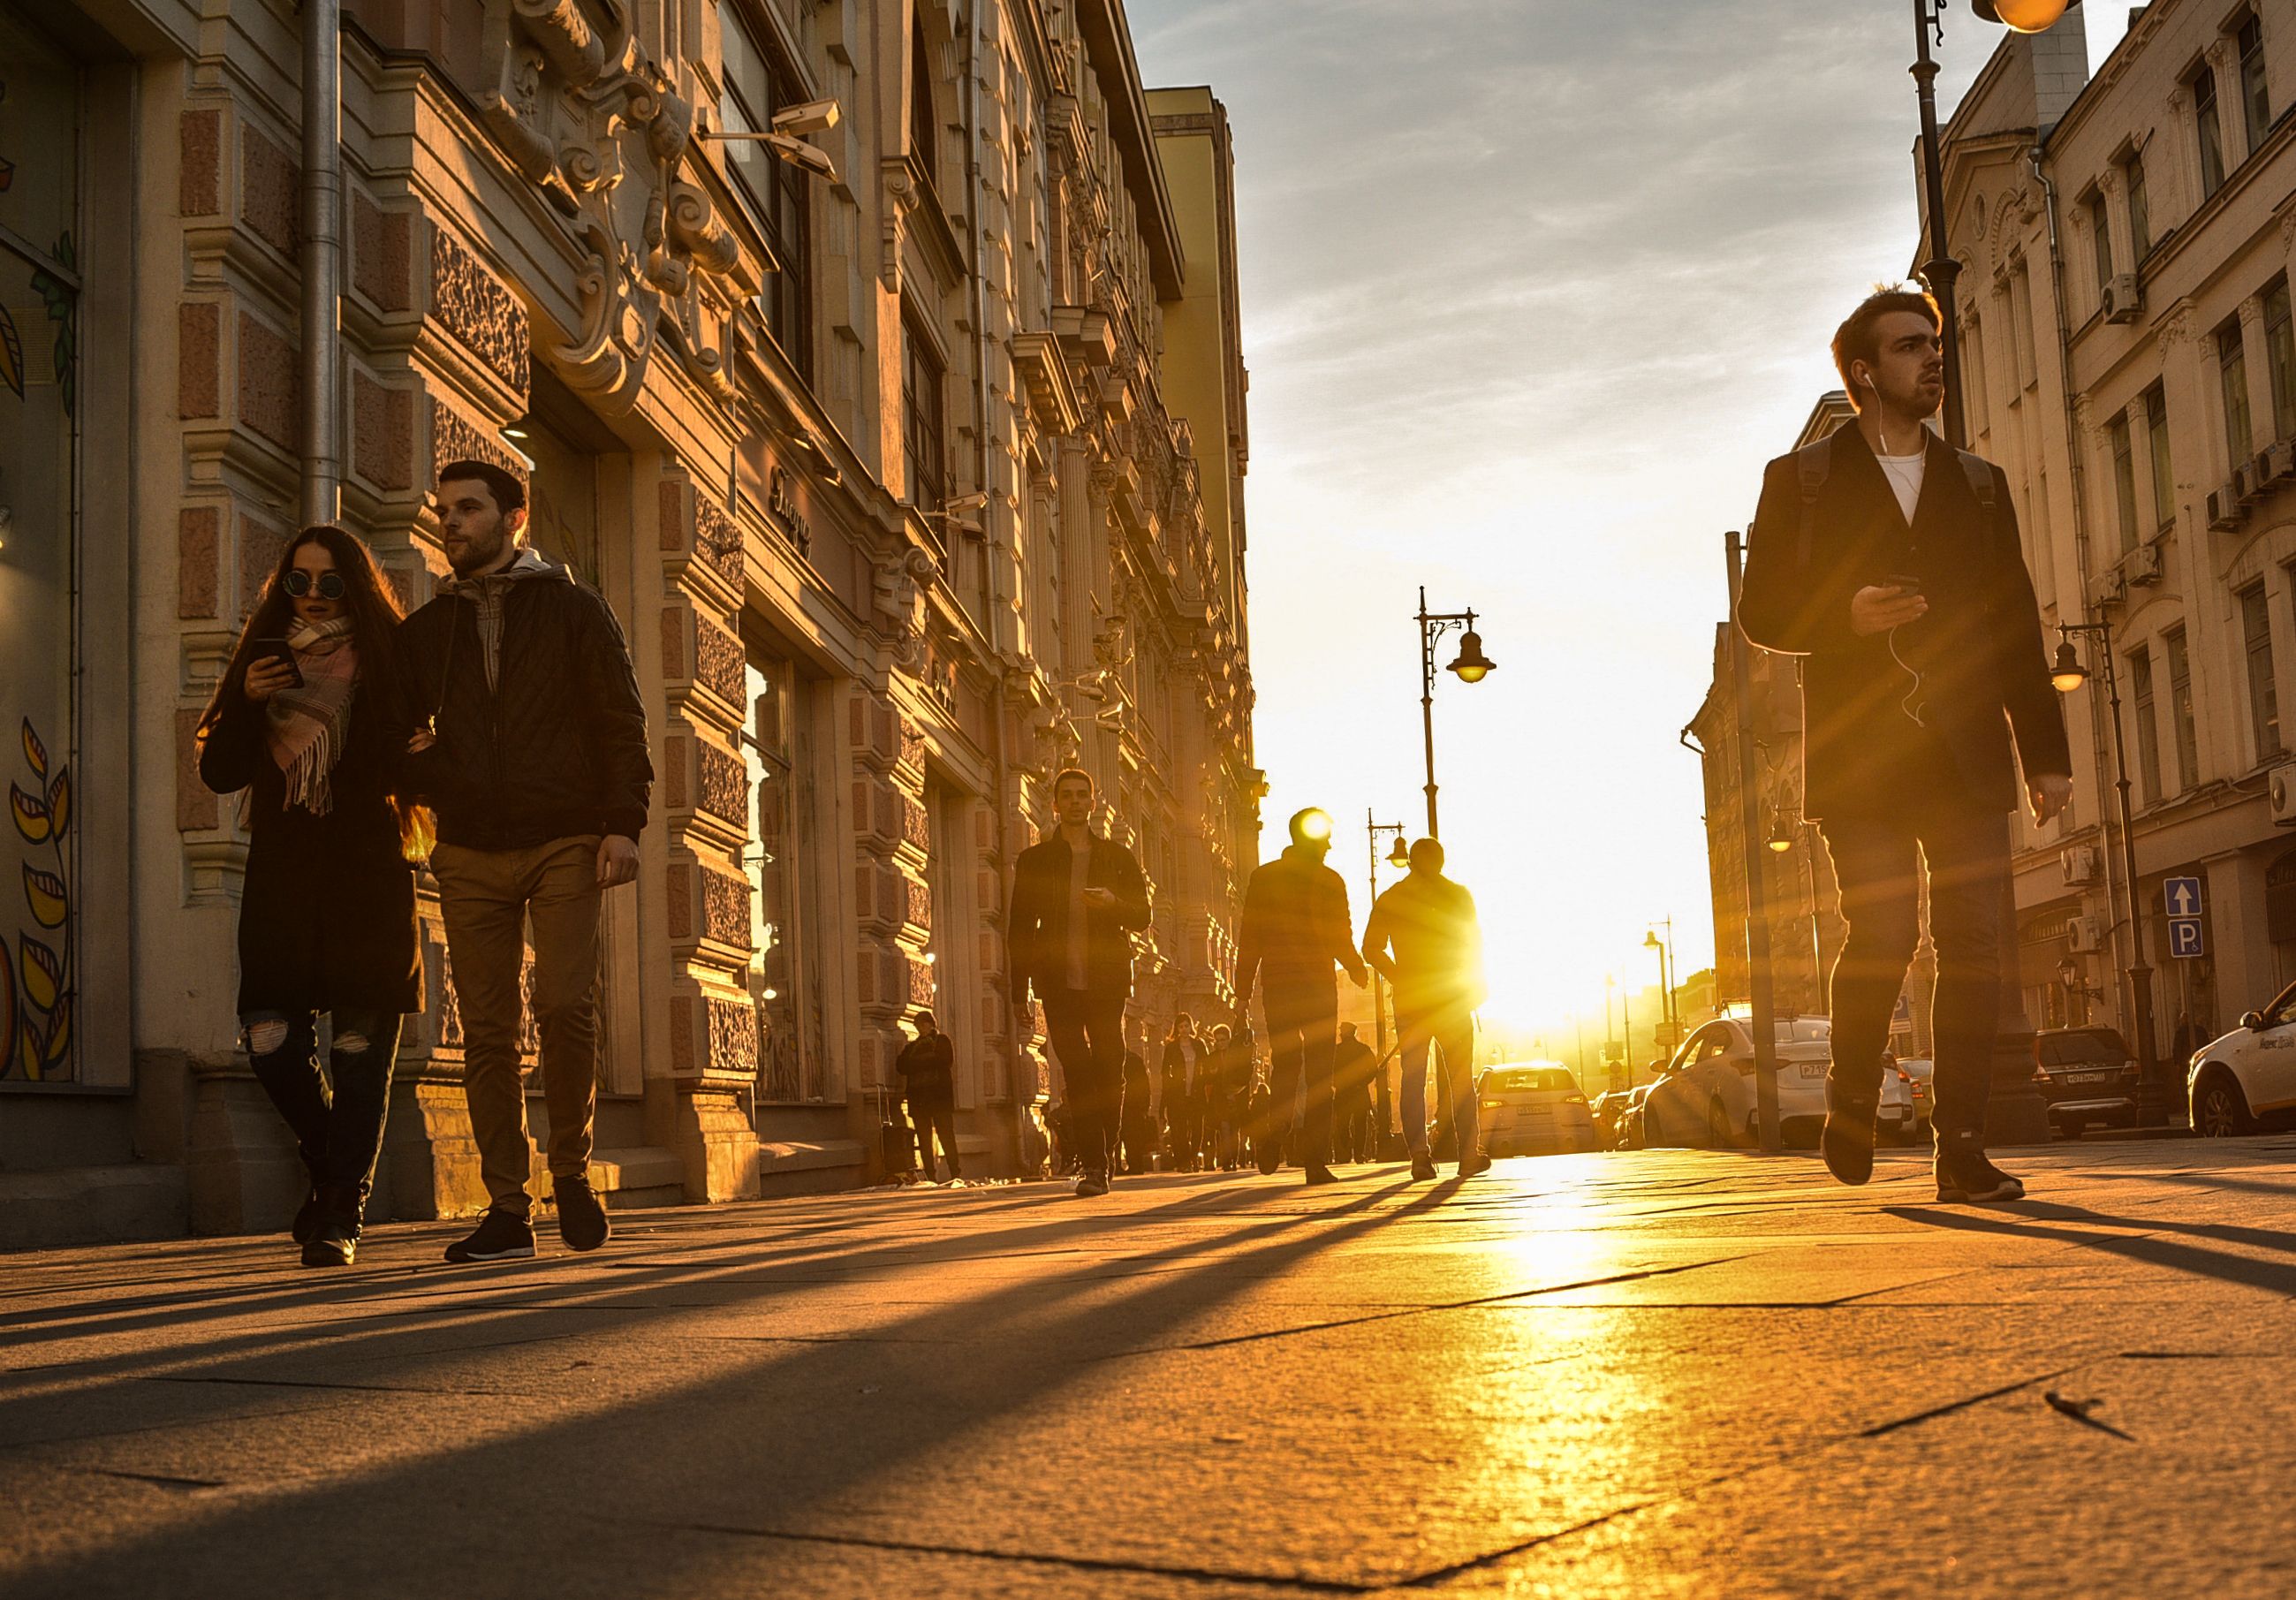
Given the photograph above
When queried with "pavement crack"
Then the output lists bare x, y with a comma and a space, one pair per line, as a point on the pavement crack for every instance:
1442, 1575
315, 1384
162, 1480
1072, 1563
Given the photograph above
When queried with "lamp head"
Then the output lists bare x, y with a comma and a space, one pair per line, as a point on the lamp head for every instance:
1781, 837
1472, 663
2023, 16
1400, 856
2068, 674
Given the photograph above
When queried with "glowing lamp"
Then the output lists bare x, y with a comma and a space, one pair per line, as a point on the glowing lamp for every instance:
2068, 674
1400, 856
1650, 941
2023, 16
1472, 663
1781, 837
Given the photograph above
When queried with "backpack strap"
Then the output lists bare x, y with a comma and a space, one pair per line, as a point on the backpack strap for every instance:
1979, 474
1812, 464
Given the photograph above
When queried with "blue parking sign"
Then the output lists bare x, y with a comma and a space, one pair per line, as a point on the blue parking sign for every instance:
2185, 941
2181, 895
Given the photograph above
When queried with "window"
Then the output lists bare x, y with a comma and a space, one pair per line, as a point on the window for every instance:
2180, 709
920, 420
2148, 727
2280, 360
2204, 84
2232, 375
1972, 378
2164, 470
774, 190
2020, 314
2255, 99
2124, 481
2263, 694
2100, 227
781, 978
924, 142
2140, 214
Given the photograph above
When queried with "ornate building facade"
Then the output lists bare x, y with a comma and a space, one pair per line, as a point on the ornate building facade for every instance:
908, 443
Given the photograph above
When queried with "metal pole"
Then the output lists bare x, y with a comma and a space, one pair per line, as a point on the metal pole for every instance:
1763, 1023
1940, 270
1427, 706
2152, 1093
322, 259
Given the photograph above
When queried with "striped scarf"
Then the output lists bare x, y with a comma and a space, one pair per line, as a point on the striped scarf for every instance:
305, 727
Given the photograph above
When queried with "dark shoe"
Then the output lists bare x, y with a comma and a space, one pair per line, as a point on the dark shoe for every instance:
500, 1236
581, 1219
334, 1243
1092, 1184
1972, 1180
1847, 1142
1480, 1161
1318, 1173
1423, 1166
1269, 1160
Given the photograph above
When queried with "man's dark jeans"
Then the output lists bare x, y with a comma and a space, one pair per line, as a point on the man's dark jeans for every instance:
1877, 862
1303, 1031
338, 1124
934, 1116
1088, 1035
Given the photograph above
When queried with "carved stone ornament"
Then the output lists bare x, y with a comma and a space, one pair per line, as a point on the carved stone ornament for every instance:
898, 599
584, 114
2176, 326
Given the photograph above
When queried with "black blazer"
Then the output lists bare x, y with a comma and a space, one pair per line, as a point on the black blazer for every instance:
1979, 651
1039, 935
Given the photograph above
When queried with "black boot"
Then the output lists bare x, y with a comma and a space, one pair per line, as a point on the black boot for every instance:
335, 1230
1847, 1142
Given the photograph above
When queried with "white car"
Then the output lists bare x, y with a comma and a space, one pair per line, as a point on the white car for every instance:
2246, 1082
1533, 1107
1706, 1096
1918, 1072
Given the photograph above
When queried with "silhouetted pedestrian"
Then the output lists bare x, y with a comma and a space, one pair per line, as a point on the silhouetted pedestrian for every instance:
1078, 897
927, 1065
1352, 1074
1138, 1118
1184, 1075
1891, 562
1423, 938
1226, 1095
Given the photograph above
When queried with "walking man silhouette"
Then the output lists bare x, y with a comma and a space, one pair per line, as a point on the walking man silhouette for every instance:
1423, 938
1295, 927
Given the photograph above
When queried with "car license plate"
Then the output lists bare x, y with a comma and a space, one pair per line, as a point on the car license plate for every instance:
1812, 1068
2086, 1077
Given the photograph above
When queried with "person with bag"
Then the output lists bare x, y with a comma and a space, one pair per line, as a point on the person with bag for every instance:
1890, 562
927, 1066
535, 754
308, 721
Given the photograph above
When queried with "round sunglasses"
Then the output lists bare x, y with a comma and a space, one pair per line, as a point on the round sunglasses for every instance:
298, 583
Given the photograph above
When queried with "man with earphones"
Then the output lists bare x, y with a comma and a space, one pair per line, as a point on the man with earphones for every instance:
1890, 562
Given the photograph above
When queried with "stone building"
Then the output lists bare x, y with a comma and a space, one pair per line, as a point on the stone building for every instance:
2126, 244
908, 448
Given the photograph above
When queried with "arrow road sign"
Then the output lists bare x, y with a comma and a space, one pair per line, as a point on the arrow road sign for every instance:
2183, 896
2184, 941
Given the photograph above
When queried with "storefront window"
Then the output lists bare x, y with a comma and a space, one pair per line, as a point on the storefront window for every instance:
781, 977
40, 114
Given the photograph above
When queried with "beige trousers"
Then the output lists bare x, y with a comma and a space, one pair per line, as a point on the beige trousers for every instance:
488, 899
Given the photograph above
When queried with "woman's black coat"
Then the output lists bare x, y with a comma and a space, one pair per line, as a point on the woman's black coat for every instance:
326, 915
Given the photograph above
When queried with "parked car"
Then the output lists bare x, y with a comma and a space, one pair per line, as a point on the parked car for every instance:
1533, 1107
1918, 1071
2087, 1076
2246, 1082
1896, 1118
1706, 1096
1608, 1110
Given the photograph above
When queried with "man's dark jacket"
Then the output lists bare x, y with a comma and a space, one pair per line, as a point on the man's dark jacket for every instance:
559, 749
1979, 650
928, 1069
1295, 924
1037, 936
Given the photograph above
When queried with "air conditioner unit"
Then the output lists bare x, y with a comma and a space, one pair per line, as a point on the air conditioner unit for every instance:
2141, 567
2081, 862
2244, 485
2223, 509
2083, 936
2281, 786
2109, 588
2123, 299
2278, 463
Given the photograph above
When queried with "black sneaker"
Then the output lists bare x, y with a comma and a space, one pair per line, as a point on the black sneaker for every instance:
334, 1243
1974, 1180
1847, 1142
1423, 1166
1092, 1184
500, 1236
581, 1219
1318, 1173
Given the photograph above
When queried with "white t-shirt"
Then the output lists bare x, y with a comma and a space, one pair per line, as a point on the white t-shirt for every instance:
1904, 475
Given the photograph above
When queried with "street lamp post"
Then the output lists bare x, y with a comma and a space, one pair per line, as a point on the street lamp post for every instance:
1664, 948
2068, 675
1472, 665
1399, 856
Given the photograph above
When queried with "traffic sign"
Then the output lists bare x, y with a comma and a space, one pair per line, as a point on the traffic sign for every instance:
2182, 895
2185, 941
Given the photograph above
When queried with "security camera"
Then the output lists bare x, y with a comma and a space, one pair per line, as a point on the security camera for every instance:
814, 117
973, 502
799, 153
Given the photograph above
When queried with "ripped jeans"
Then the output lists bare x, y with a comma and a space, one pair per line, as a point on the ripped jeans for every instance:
337, 1119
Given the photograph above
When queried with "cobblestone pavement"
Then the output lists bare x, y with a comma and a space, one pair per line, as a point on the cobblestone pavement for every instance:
1668, 1373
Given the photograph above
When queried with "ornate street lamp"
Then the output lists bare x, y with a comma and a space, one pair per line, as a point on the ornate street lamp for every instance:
1473, 665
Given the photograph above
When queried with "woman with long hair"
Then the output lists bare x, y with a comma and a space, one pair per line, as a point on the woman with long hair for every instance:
308, 721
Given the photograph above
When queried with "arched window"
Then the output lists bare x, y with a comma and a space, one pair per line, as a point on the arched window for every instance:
924, 143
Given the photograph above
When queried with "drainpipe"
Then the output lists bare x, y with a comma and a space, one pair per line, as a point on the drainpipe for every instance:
2036, 158
322, 259
977, 290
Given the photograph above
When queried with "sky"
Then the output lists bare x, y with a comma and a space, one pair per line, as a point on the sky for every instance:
1531, 291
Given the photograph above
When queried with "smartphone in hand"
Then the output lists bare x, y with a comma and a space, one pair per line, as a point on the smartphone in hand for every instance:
281, 651
1903, 583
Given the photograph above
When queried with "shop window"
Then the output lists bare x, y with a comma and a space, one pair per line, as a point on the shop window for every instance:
40, 287
784, 964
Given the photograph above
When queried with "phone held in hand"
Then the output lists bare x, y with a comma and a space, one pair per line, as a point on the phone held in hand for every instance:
1903, 583
281, 651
